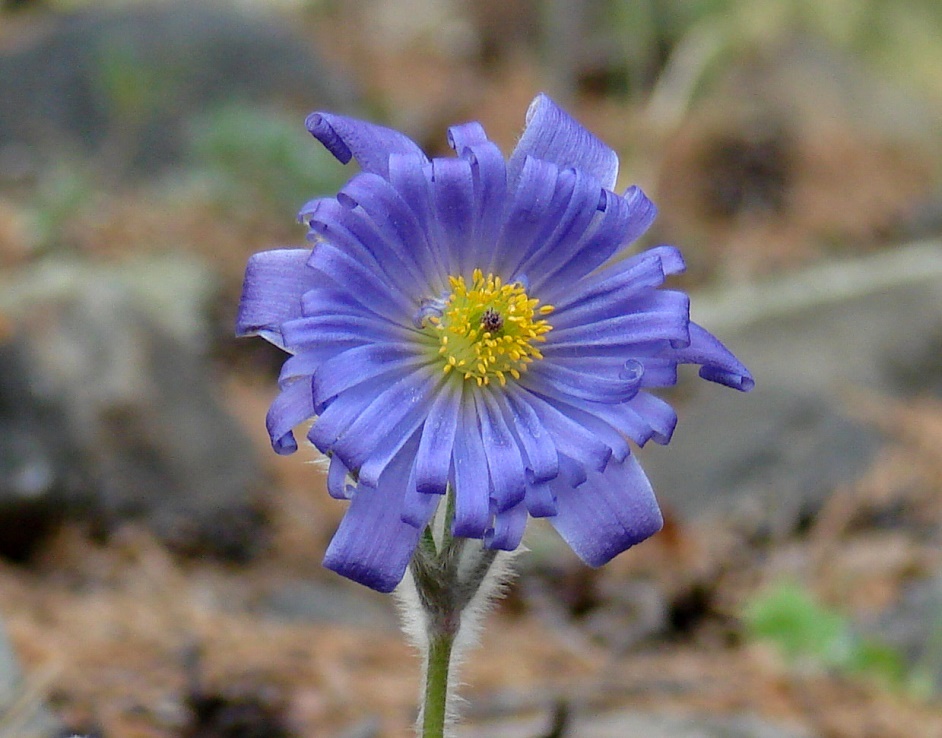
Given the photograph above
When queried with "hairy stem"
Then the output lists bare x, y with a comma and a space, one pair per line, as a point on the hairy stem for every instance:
434, 712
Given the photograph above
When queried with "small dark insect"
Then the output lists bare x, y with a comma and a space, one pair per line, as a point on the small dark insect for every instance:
492, 320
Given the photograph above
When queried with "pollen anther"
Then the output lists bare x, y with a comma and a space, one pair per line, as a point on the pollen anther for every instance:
487, 330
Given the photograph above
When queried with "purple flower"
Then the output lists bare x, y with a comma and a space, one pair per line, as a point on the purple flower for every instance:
478, 324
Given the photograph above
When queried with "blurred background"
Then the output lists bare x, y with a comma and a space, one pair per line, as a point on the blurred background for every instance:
160, 567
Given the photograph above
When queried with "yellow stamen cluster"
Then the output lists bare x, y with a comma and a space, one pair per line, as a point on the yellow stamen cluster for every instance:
490, 329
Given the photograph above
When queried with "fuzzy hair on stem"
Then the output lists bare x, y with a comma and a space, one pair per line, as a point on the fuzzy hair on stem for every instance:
450, 586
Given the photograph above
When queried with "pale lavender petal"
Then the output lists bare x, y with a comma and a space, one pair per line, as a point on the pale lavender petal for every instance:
535, 206
337, 480
392, 410
540, 500
617, 283
370, 144
506, 467
623, 219
718, 364
373, 545
433, 459
508, 529
472, 485
293, 405
569, 437
608, 514
271, 292
534, 439
350, 368
575, 220
554, 135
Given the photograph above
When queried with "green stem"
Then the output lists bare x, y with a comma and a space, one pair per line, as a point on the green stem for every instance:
436, 685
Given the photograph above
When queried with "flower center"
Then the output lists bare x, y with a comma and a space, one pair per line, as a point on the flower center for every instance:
489, 329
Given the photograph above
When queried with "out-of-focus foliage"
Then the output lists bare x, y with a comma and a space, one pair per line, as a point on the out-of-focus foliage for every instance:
903, 38
263, 155
806, 631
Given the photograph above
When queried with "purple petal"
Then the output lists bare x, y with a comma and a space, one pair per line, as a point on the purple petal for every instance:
337, 476
553, 135
569, 437
390, 446
393, 411
412, 179
617, 283
490, 196
541, 457
271, 292
293, 405
508, 480
608, 514
508, 530
335, 329
467, 134
373, 545
718, 364
371, 145
334, 420
417, 507
472, 486
388, 227
453, 199
536, 203
540, 500
535, 209
623, 219
433, 459
350, 368
303, 364
666, 324
584, 382
574, 220
372, 286
659, 416
598, 424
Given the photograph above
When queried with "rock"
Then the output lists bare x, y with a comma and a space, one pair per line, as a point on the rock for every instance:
650, 725
38, 466
913, 627
120, 83
319, 602
370, 727
22, 714
119, 405
769, 460
810, 340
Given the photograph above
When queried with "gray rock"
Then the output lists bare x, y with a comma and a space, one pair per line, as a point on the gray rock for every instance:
913, 627
369, 728
22, 712
120, 83
650, 725
810, 340
140, 432
320, 602
769, 460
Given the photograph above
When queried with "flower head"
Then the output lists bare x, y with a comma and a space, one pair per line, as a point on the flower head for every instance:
478, 324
